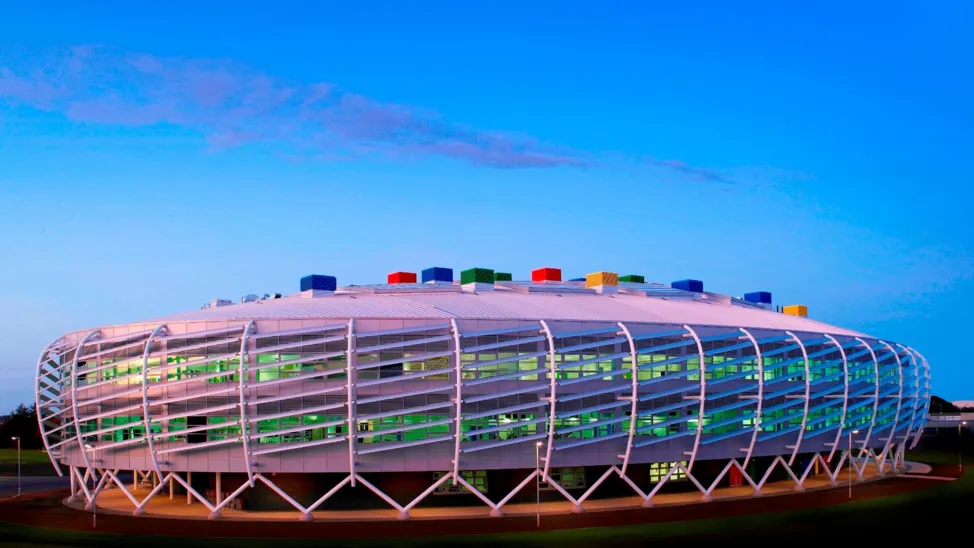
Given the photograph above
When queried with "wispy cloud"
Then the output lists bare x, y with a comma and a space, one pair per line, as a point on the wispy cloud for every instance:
695, 173
231, 104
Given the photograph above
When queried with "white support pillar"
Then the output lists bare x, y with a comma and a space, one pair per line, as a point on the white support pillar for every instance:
808, 392
701, 410
634, 397
760, 397
74, 484
872, 422
845, 396
244, 372
350, 380
458, 398
552, 414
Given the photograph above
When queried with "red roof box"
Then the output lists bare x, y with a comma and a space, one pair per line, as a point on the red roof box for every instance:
546, 275
402, 278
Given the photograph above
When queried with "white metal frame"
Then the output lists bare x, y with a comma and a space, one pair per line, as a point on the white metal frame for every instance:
351, 352
869, 431
845, 395
701, 412
760, 396
146, 420
808, 393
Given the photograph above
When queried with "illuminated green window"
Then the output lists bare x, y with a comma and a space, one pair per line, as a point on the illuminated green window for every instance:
476, 478
658, 471
567, 478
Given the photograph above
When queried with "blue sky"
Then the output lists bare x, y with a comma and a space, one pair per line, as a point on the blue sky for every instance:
152, 159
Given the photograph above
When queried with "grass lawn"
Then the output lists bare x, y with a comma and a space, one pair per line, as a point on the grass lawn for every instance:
27, 456
33, 462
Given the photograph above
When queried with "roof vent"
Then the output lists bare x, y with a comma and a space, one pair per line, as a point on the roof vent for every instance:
477, 279
603, 282
270, 296
402, 278
318, 285
437, 274
760, 298
502, 277
795, 310
216, 303
249, 298
632, 278
546, 275
695, 286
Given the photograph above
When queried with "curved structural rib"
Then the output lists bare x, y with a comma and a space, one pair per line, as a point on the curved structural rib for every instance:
760, 397
924, 401
74, 396
703, 398
145, 399
899, 401
458, 371
808, 394
915, 359
872, 422
634, 396
350, 378
244, 372
39, 405
845, 396
552, 412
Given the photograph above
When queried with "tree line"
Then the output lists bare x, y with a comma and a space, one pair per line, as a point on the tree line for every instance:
21, 423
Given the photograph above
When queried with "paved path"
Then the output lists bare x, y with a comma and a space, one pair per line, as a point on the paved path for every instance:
31, 484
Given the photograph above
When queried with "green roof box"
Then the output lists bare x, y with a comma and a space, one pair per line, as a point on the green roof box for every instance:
632, 278
477, 275
502, 277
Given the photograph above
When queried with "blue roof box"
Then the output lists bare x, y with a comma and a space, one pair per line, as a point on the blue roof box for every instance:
319, 281
437, 274
760, 297
688, 285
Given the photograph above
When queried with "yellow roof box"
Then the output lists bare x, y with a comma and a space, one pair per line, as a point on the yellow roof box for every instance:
795, 310
601, 278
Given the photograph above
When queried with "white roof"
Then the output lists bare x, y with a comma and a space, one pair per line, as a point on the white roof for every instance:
504, 304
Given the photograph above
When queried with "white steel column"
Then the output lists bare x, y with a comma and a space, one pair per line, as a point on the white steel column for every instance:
757, 412
845, 395
551, 418
74, 400
145, 398
39, 409
703, 397
872, 422
458, 371
350, 363
808, 393
634, 397
242, 373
